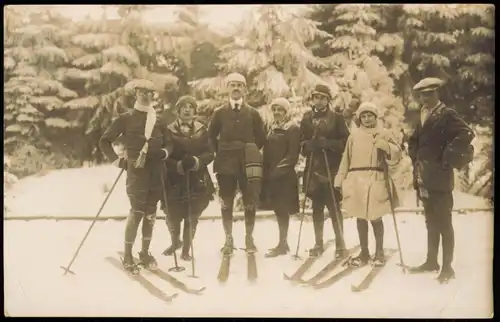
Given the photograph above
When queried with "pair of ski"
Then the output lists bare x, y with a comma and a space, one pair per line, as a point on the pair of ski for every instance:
150, 287
316, 282
225, 264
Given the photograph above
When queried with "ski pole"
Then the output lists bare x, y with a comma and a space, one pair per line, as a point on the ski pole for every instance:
338, 211
68, 268
190, 223
303, 213
176, 268
391, 201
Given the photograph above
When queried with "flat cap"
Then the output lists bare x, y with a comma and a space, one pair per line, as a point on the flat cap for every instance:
236, 77
428, 84
136, 84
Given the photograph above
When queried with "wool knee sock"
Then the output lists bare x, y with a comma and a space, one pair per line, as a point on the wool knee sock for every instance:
133, 221
147, 231
362, 226
378, 231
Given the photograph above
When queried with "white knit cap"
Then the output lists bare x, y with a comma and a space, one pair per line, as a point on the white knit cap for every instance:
283, 102
367, 107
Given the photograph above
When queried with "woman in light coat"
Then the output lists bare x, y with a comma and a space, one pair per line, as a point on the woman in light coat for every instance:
363, 180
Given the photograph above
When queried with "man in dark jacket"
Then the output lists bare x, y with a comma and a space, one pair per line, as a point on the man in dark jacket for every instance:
190, 156
237, 132
440, 143
146, 146
323, 131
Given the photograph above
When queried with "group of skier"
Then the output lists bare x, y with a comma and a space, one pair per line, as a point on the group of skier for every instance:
169, 163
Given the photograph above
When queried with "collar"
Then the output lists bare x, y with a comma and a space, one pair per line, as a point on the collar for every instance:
233, 102
181, 123
142, 108
433, 108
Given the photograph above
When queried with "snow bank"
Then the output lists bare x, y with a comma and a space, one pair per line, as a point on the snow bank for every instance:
80, 192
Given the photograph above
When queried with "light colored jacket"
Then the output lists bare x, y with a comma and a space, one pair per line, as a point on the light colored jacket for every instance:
362, 174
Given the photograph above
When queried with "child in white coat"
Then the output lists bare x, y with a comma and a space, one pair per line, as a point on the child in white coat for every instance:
362, 178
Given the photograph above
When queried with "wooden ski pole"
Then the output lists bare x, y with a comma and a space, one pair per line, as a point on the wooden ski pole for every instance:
391, 201
190, 223
176, 268
68, 268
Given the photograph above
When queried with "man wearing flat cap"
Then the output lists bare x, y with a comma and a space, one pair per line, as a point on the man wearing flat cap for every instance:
238, 134
146, 147
440, 143
323, 132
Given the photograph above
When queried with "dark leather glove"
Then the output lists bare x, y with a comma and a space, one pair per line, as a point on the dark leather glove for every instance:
309, 145
188, 163
121, 163
322, 143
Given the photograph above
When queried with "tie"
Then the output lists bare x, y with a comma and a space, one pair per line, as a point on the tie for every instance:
236, 107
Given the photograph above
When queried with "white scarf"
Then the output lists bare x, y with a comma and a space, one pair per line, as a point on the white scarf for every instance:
148, 130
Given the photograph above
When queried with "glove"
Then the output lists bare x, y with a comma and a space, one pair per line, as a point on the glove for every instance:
121, 163
188, 163
158, 155
322, 143
382, 145
309, 145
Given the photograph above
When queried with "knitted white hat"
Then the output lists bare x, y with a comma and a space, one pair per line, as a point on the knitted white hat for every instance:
367, 107
283, 102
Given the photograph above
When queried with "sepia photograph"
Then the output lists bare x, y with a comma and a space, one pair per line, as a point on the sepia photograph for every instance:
249, 160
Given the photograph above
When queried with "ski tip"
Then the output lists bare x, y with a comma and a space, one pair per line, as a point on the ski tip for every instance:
355, 289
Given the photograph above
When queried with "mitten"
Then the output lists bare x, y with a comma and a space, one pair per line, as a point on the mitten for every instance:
382, 145
188, 163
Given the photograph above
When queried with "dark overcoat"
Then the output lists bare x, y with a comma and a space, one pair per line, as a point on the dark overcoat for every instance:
281, 153
194, 144
330, 125
441, 144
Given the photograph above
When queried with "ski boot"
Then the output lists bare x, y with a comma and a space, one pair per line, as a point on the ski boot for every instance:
228, 247
147, 261
447, 273
130, 266
172, 248
341, 253
425, 268
316, 251
250, 245
185, 254
281, 249
362, 259
378, 260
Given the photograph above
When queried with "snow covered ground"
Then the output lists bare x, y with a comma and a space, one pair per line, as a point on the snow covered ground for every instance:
35, 286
